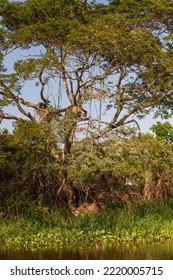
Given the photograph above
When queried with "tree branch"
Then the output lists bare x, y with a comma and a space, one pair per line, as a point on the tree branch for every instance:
64, 77
42, 86
122, 122
119, 97
18, 100
11, 117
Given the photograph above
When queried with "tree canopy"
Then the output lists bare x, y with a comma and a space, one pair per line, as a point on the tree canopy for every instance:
120, 54
163, 130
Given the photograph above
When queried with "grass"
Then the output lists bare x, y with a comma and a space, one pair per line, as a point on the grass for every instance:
37, 228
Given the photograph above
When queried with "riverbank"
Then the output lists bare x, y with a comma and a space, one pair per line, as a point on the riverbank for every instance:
38, 229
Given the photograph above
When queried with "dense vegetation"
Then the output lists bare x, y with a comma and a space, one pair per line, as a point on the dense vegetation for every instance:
81, 76
123, 169
36, 229
118, 190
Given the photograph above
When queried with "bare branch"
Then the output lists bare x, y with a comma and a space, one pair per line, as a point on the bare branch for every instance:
42, 87
11, 117
131, 121
64, 76
122, 121
119, 95
8, 51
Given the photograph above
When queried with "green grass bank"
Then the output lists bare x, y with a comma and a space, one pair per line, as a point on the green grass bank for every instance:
37, 228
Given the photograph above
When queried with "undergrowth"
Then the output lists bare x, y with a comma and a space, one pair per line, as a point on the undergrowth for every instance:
140, 223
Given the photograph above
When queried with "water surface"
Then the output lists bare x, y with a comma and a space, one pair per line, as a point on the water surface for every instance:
147, 251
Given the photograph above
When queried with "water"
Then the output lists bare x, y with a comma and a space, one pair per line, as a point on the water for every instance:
147, 251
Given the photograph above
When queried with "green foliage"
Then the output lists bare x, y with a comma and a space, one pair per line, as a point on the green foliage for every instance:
28, 146
41, 21
115, 171
145, 222
127, 39
129, 158
28, 170
163, 130
126, 47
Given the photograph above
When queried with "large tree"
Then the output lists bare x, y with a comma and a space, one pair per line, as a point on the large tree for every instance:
118, 53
